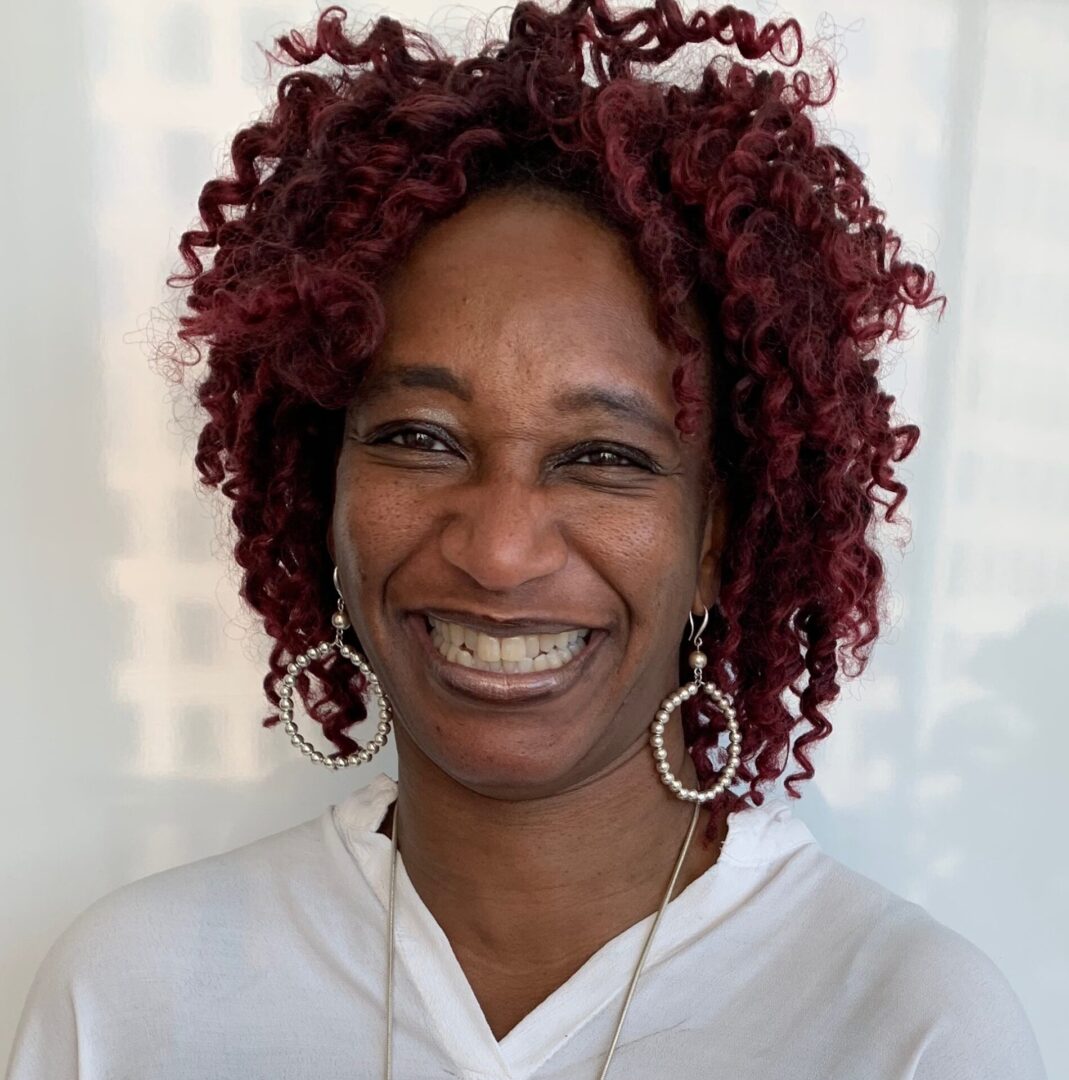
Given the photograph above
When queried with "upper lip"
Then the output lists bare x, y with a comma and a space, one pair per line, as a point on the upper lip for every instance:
500, 626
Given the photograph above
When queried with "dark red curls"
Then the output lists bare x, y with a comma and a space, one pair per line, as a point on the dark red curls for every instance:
733, 209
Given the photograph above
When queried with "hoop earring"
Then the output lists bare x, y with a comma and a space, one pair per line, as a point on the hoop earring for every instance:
721, 700
320, 652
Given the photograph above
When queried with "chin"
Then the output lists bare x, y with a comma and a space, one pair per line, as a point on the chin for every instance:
510, 768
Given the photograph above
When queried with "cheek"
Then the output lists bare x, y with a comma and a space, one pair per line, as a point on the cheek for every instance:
377, 523
642, 546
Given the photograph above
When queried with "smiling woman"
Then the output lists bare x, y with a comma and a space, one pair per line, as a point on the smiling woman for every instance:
520, 530
557, 400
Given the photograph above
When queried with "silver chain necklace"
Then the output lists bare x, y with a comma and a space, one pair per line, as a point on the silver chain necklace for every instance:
634, 977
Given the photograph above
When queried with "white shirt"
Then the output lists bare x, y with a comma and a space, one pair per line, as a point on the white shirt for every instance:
268, 962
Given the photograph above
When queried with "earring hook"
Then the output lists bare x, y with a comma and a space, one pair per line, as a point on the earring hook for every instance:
696, 636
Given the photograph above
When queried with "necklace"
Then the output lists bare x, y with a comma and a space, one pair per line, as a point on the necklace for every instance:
391, 917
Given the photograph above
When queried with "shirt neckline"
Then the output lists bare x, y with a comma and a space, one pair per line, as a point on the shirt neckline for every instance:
756, 836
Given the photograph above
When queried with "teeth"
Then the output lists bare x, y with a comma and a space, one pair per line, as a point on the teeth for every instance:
513, 648
488, 648
515, 655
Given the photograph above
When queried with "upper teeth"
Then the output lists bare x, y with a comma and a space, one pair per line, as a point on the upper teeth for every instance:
521, 653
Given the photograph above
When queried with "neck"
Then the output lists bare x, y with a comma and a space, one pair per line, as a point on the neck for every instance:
529, 890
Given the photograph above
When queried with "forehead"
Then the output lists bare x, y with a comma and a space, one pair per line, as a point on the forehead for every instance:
522, 298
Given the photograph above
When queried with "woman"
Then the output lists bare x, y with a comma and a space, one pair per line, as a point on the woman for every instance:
546, 395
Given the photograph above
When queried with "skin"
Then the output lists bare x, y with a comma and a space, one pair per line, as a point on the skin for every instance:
534, 831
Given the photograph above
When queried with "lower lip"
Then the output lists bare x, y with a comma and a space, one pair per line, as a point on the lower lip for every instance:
493, 686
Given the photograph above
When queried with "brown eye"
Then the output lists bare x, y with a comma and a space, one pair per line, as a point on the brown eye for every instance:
414, 439
604, 456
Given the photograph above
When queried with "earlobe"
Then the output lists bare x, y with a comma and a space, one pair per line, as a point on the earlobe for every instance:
708, 589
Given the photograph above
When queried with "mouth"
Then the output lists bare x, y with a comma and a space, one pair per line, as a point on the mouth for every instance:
507, 667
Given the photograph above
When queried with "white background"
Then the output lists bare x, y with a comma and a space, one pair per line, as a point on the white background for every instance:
132, 689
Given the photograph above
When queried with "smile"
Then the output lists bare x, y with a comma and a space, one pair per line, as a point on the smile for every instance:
497, 668
516, 655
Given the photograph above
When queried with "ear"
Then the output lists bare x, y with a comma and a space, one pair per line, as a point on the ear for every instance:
715, 534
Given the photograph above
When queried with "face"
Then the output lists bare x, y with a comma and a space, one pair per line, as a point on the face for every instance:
519, 528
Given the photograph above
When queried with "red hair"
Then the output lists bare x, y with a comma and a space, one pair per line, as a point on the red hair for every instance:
730, 203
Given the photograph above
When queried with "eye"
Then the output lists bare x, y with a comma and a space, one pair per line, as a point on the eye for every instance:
608, 456
411, 438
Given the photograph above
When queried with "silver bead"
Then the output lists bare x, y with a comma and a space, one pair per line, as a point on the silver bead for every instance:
664, 768
301, 661
288, 680
296, 739
657, 740
697, 659
340, 620
289, 727
292, 668
306, 747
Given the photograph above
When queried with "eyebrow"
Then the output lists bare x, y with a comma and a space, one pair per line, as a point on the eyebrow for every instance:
426, 376
629, 404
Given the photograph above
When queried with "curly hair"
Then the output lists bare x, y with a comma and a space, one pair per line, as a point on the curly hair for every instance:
729, 202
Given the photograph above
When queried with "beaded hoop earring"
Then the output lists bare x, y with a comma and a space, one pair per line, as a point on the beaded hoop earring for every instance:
721, 700
319, 652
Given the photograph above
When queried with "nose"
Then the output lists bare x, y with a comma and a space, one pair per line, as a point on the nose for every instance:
502, 534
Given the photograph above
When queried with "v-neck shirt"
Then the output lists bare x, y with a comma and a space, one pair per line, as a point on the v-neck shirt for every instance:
269, 961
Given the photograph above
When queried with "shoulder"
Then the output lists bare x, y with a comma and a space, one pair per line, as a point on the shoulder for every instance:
210, 915
944, 997
165, 943
973, 1024
175, 917
897, 985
